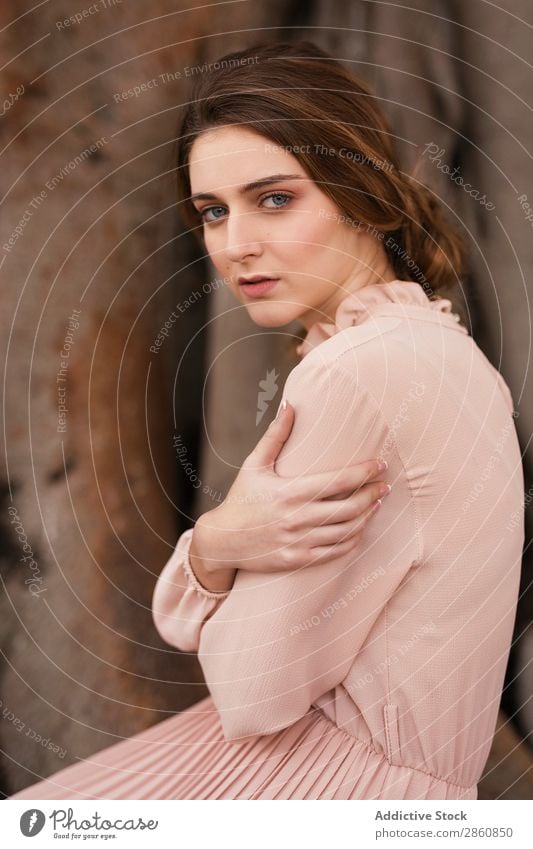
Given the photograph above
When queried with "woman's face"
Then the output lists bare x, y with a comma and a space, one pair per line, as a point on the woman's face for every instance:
286, 228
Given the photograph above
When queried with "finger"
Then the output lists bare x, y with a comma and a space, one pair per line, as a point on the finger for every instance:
320, 485
322, 554
327, 554
328, 512
313, 556
266, 452
331, 534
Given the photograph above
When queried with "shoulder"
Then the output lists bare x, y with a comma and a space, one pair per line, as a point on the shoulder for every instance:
355, 357
341, 402
360, 337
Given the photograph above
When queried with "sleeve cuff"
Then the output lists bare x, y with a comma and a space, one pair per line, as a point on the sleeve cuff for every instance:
193, 581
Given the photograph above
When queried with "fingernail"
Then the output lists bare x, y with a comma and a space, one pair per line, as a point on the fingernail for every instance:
382, 464
377, 505
385, 489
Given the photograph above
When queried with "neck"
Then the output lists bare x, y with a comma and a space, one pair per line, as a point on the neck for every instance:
369, 270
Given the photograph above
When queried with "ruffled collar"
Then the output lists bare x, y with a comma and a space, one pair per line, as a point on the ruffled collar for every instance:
397, 297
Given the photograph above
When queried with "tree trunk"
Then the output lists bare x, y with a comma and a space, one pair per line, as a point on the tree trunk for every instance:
92, 268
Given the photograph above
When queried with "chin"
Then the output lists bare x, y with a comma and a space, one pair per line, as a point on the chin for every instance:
267, 314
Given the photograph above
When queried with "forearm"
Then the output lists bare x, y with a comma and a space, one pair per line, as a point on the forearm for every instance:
209, 572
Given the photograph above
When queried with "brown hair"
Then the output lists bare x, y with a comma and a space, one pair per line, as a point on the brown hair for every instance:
301, 98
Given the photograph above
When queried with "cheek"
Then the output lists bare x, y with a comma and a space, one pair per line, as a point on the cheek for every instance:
315, 235
300, 240
214, 249
318, 251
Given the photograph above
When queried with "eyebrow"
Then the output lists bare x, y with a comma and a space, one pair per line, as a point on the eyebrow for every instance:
249, 187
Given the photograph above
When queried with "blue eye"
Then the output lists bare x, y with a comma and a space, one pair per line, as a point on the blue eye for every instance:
209, 209
278, 195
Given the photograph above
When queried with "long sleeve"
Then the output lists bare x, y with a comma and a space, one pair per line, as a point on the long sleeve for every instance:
283, 639
180, 604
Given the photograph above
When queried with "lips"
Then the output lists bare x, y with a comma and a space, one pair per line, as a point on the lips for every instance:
255, 278
259, 287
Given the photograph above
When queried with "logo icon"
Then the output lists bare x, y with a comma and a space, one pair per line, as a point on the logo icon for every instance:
269, 388
32, 822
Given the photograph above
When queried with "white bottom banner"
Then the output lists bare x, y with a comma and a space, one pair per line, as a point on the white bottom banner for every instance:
267, 824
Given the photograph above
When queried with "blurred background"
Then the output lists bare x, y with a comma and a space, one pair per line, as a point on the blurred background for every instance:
134, 385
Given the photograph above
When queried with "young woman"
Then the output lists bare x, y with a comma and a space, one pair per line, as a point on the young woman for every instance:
340, 664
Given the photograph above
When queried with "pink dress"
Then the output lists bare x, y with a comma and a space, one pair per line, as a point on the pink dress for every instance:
379, 675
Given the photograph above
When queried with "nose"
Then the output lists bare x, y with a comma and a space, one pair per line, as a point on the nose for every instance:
242, 236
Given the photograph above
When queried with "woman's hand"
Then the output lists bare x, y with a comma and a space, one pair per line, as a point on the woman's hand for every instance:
272, 524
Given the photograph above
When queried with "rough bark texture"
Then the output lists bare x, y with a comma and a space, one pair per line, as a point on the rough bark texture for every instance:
89, 207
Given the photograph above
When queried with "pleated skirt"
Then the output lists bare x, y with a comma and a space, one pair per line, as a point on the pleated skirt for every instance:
187, 757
